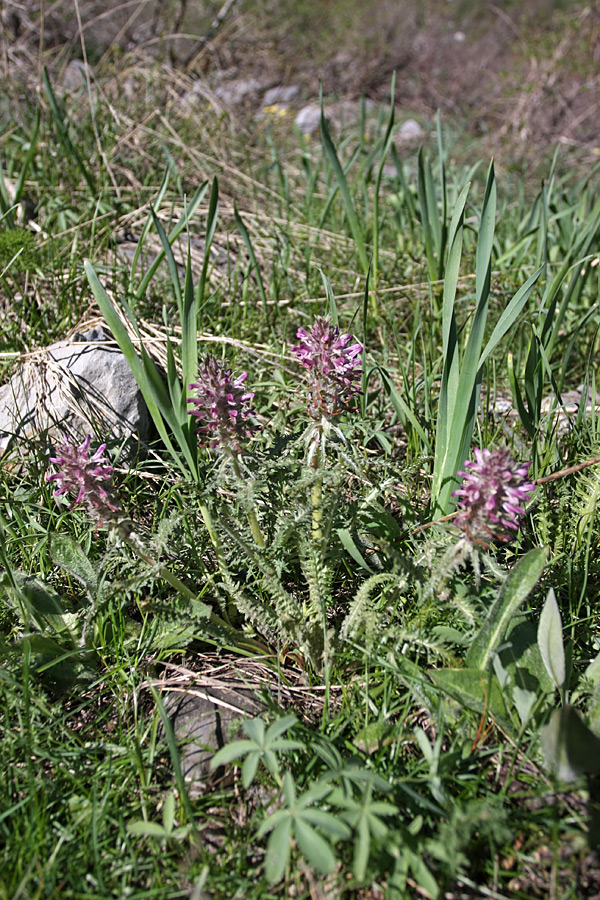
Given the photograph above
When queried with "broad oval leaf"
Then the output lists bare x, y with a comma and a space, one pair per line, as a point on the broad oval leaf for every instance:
550, 640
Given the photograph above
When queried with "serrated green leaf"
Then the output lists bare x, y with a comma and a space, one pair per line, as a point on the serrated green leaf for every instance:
68, 554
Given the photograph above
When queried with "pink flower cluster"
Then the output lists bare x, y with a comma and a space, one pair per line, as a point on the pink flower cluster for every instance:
333, 364
492, 494
86, 478
221, 405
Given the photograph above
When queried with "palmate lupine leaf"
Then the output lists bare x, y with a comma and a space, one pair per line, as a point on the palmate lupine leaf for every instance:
299, 819
261, 747
366, 818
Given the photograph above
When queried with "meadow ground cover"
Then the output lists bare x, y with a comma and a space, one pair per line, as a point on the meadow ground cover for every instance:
365, 480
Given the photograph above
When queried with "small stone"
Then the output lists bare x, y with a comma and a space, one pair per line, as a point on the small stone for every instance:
308, 120
410, 130
281, 94
238, 90
76, 76
459, 37
71, 388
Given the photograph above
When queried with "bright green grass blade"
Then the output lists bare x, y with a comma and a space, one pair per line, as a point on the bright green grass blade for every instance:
427, 212
145, 230
335, 190
211, 226
458, 436
385, 147
149, 381
253, 261
171, 264
451, 371
510, 315
63, 136
183, 222
338, 172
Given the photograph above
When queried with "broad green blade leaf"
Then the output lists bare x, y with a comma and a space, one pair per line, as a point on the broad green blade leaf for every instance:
68, 554
570, 749
473, 689
189, 340
550, 641
519, 582
510, 315
145, 829
144, 234
451, 370
190, 209
171, 264
351, 548
149, 381
211, 226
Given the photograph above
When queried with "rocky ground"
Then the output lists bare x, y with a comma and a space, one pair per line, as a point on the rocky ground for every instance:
525, 76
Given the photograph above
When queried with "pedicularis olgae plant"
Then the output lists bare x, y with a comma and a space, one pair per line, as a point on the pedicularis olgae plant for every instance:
312, 498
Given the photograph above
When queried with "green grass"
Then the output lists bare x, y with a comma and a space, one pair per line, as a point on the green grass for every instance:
408, 655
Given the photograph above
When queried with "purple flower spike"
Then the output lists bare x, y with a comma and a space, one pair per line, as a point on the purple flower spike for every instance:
491, 496
221, 404
85, 477
334, 366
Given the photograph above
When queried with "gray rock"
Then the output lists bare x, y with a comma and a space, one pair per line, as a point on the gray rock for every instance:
75, 77
282, 94
238, 90
410, 130
308, 119
203, 720
71, 388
